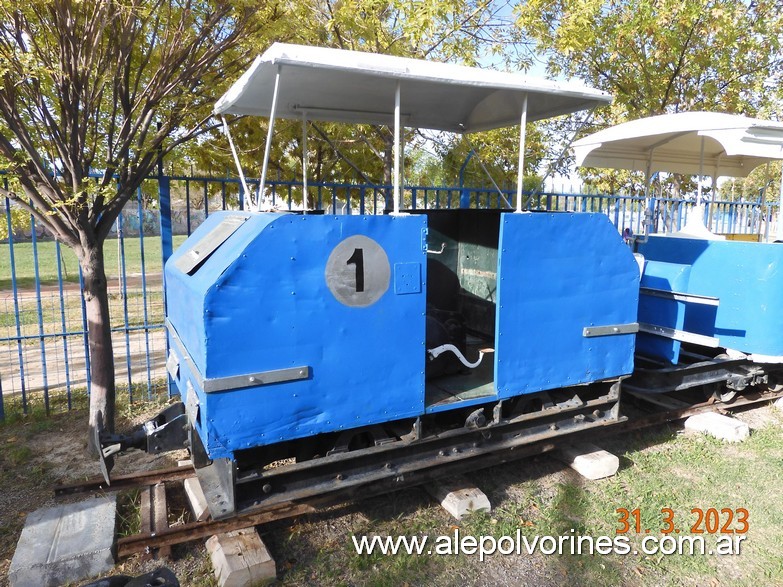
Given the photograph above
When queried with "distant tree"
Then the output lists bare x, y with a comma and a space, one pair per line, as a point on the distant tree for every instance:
495, 157
20, 218
460, 31
750, 188
107, 86
662, 56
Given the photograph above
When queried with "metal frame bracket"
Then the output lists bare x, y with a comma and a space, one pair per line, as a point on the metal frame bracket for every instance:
612, 330
236, 381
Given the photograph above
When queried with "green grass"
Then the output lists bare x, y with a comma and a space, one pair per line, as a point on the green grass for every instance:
659, 469
662, 470
30, 466
129, 513
47, 260
334, 561
36, 419
52, 310
19, 455
26, 317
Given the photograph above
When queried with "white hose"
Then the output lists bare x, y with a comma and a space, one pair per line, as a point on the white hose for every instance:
444, 348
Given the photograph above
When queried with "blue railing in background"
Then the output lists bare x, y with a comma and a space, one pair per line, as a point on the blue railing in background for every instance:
44, 352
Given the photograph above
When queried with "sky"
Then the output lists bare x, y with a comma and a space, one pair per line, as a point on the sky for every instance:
570, 183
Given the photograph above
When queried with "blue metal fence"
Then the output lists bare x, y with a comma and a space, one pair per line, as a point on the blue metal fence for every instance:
44, 354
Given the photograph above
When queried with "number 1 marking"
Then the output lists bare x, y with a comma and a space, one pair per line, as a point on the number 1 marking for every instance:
358, 271
357, 259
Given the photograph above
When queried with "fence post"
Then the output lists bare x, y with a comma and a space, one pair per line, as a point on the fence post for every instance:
39, 307
14, 288
166, 245
464, 198
164, 194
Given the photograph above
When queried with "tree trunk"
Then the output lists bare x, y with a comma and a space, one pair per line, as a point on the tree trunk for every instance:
96, 299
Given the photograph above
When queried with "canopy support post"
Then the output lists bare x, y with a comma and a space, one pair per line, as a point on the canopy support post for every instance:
780, 208
268, 147
246, 191
764, 217
712, 199
304, 162
397, 149
520, 170
648, 201
701, 171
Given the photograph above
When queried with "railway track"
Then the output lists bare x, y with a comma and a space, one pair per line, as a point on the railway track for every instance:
647, 411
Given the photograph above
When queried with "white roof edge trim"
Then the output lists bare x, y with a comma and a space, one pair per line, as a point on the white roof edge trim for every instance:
224, 103
522, 82
697, 121
671, 142
246, 95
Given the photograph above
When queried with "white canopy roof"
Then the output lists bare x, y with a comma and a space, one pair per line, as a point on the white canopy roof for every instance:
351, 86
733, 145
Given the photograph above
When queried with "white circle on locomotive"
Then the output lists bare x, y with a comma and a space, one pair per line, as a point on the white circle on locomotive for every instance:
358, 272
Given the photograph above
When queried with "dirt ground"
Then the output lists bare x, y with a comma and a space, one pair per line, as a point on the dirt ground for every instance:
38, 453
57, 454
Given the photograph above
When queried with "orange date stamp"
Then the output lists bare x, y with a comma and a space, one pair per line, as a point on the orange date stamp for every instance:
701, 521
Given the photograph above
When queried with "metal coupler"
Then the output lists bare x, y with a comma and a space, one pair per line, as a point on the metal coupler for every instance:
166, 431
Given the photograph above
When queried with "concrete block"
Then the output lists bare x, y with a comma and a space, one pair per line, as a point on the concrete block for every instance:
241, 558
589, 460
198, 503
65, 544
719, 426
458, 497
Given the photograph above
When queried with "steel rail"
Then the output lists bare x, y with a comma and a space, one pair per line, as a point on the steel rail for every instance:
123, 482
280, 511
266, 513
336, 494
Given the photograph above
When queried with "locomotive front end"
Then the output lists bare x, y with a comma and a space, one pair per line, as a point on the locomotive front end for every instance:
284, 326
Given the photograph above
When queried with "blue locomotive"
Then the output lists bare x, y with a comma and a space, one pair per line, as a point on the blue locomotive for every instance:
316, 352
313, 351
709, 311
710, 316
286, 329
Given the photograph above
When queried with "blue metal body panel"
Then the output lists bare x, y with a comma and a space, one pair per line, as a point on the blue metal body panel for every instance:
557, 274
186, 308
659, 311
252, 294
261, 302
746, 277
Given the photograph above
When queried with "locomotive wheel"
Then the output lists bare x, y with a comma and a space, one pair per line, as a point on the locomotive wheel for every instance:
721, 393
775, 384
726, 396
716, 392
